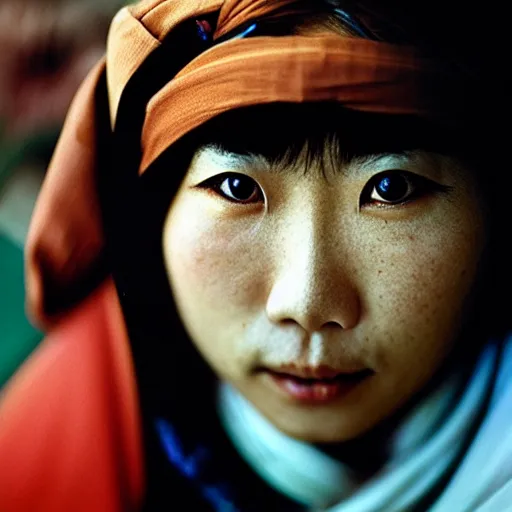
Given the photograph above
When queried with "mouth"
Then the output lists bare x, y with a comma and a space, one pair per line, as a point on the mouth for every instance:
316, 385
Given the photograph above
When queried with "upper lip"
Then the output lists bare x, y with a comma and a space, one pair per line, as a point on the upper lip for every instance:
315, 372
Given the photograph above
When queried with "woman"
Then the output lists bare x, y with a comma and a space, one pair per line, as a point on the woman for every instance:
306, 207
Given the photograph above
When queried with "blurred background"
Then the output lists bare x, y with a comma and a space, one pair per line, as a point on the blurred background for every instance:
46, 49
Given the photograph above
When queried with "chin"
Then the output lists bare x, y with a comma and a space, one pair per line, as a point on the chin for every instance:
319, 430
312, 424
318, 436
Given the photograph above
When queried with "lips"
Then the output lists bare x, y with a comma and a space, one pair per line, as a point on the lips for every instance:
316, 385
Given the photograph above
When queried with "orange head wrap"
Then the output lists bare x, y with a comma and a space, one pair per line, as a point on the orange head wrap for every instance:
66, 242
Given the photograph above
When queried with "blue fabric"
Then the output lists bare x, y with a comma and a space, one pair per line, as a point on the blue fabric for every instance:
194, 467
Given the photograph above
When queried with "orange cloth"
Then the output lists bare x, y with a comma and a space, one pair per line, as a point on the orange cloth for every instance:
288, 69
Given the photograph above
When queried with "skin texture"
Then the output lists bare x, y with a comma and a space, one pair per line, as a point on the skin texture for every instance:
317, 270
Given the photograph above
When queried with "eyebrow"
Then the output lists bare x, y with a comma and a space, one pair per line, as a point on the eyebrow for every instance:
376, 159
346, 163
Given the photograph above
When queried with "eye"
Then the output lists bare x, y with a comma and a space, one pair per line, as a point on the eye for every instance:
237, 188
397, 187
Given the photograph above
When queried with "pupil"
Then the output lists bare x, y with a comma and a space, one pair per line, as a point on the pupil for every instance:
392, 188
241, 189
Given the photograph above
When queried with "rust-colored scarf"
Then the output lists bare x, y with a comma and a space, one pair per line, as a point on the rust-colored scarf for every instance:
66, 239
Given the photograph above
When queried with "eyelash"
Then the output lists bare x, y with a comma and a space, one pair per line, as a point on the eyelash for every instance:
418, 186
215, 183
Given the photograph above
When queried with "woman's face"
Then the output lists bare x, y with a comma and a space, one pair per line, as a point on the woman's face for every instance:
330, 297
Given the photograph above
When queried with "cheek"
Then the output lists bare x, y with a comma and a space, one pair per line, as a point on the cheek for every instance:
422, 276
217, 275
213, 266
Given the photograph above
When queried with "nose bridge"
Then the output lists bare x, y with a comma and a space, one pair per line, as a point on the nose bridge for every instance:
308, 225
311, 286
307, 251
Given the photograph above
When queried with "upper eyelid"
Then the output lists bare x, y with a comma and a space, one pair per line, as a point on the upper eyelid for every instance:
430, 186
412, 177
421, 164
370, 183
218, 178
366, 191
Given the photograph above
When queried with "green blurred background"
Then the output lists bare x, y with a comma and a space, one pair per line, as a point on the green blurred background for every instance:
22, 167
46, 49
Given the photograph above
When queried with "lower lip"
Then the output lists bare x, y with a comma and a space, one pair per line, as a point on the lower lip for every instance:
317, 390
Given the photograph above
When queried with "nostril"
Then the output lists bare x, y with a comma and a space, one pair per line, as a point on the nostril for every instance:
306, 326
333, 325
288, 321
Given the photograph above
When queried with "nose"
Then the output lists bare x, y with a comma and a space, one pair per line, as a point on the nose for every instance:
313, 287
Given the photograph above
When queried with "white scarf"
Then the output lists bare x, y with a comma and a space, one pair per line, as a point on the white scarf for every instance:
420, 454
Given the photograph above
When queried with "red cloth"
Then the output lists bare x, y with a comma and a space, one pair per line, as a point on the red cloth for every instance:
69, 419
